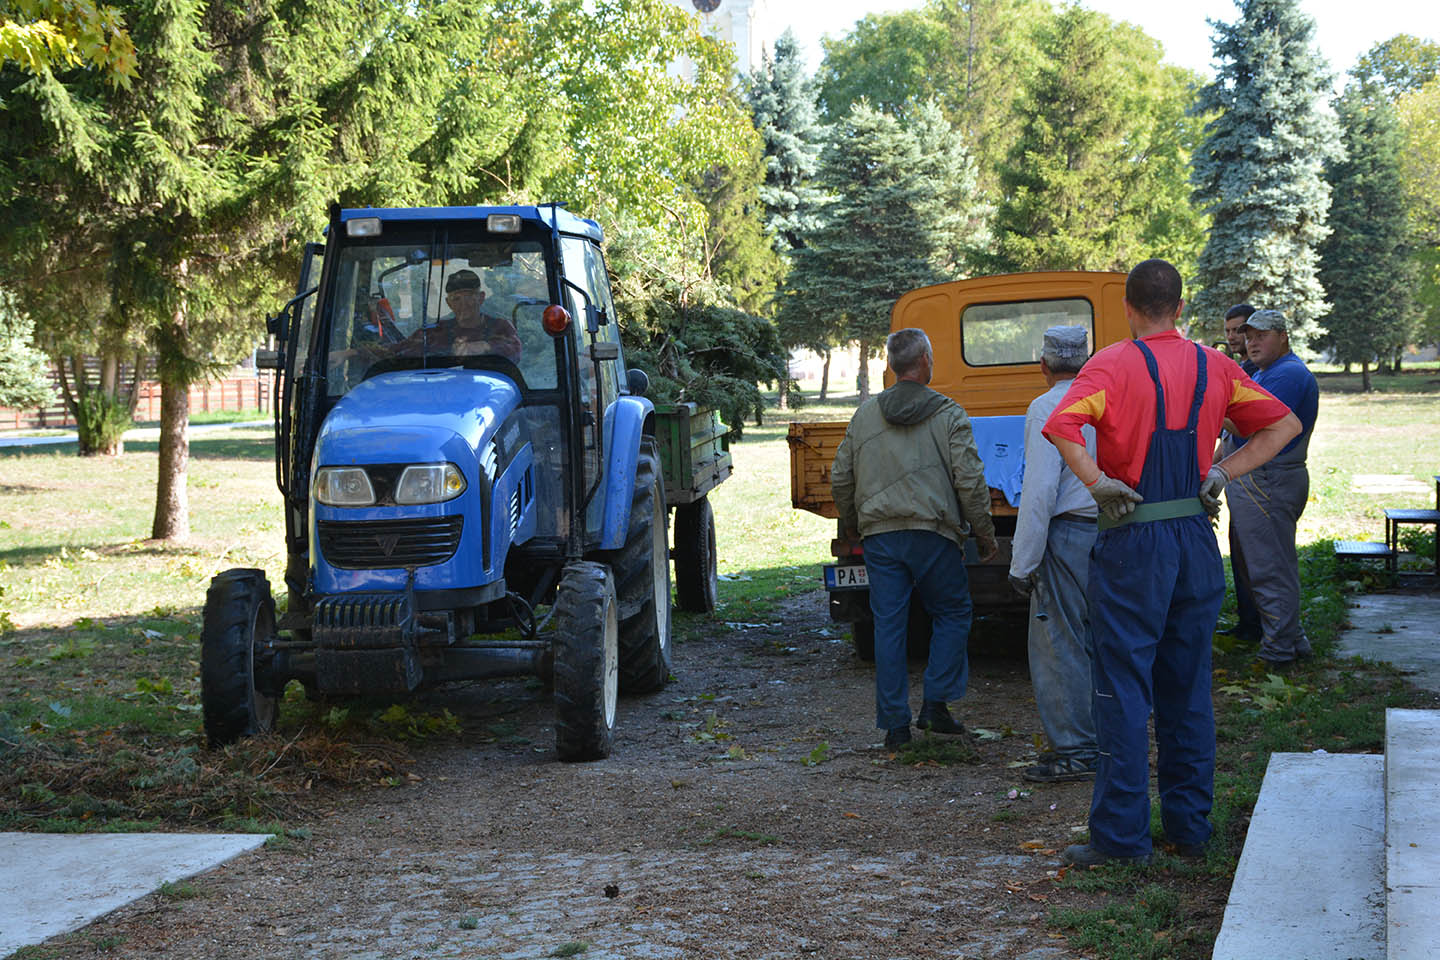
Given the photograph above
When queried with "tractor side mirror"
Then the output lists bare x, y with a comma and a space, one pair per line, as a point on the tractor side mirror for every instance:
637, 381
604, 350
269, 359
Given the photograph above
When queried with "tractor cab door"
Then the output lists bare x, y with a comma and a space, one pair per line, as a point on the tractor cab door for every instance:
295, 329
598, 369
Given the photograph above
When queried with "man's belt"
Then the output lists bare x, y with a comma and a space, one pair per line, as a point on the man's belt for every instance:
1147, 512
1075, 516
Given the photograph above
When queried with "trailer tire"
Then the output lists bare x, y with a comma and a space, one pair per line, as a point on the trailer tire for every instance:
862, 632
917, 635
587, 658
239, 617
695, 570
642, 580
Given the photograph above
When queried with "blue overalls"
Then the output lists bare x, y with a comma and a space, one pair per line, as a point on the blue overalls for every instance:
1155, 591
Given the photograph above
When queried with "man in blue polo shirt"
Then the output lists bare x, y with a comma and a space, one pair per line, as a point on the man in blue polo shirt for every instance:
1266, 504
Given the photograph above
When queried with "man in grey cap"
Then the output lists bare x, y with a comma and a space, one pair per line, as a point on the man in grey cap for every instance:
1266, 503
1049, 563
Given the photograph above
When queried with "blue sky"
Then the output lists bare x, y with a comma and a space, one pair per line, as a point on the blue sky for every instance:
1344, 29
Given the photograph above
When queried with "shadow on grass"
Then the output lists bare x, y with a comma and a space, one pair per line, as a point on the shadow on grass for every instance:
238, 446
36, 554
259, 447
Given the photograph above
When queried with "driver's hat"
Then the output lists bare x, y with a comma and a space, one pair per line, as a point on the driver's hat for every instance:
462, 280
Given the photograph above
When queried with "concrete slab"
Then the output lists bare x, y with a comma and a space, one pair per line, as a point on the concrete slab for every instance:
1308, 885
54, 883
1412, 833
1399, 629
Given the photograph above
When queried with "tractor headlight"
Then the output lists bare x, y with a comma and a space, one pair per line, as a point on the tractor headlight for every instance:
344, 487
429, 483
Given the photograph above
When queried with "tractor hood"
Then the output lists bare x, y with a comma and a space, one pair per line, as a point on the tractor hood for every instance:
416, 416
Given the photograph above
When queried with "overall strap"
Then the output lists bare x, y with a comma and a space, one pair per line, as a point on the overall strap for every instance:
1199, 388
1155, 379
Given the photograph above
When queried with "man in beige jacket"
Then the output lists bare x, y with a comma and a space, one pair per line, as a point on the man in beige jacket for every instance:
908, 480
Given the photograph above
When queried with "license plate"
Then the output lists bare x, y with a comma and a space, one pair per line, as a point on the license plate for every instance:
847, 577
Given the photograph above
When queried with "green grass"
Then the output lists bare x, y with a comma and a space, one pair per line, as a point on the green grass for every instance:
99, 694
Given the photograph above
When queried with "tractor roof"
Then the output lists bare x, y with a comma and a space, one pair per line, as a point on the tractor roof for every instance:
542, 215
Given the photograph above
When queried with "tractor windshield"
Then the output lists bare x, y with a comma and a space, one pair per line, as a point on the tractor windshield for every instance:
403, 305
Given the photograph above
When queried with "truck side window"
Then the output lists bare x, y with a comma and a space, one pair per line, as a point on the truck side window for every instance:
997, 334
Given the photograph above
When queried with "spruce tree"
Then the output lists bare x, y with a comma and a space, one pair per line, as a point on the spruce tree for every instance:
782, 103
1260, 170
904, 214
1365, 263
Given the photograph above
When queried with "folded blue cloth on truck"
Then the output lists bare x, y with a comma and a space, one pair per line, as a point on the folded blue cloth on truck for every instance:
1001, 442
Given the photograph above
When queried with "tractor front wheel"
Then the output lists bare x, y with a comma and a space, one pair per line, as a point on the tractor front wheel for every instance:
586, 646
236, 698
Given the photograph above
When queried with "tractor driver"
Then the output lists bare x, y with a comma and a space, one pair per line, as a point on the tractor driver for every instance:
467, 331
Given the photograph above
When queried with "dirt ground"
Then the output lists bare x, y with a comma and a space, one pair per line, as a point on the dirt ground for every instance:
720, 827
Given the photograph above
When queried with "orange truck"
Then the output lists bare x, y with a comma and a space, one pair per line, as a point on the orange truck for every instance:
987, 335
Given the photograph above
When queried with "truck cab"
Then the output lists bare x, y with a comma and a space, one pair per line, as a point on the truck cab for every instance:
987, 334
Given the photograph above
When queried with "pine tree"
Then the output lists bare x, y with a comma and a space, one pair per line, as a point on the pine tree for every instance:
1365, 263
1260, 171
904, 214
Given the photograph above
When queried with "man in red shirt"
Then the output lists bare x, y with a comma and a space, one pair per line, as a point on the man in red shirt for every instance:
1157, 404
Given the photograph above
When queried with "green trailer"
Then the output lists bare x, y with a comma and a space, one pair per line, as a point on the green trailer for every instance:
694, 459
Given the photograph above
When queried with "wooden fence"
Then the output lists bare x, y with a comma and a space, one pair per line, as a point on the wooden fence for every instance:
244, 389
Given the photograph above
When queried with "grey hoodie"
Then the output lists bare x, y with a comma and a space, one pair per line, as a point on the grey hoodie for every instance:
908, 462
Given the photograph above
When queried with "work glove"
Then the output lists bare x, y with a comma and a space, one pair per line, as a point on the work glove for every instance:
1210, 489
987, 548
1022, 585
1114, 498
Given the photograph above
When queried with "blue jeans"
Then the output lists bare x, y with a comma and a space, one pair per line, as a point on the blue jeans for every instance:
1060, 643
933, 567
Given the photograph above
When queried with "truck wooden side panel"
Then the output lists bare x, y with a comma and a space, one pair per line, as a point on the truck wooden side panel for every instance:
812, 451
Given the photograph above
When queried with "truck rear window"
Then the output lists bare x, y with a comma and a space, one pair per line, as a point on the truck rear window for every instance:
996, 334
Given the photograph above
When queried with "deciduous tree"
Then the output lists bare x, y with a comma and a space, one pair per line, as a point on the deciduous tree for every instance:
1096, 178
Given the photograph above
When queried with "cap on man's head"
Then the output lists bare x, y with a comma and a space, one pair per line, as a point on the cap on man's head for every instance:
1265, 320
1066, 343
463, 280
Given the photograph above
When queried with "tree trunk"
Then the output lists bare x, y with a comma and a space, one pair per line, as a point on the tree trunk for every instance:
1396, 365
172, 504
825, 377
783, 403
1347, 366
862, 379
1364, 376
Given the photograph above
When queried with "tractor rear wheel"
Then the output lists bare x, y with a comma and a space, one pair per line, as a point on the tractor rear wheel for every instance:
587, 659
239, 619
642, 580
695, 570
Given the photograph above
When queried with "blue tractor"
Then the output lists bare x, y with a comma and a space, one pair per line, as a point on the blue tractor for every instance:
471, 478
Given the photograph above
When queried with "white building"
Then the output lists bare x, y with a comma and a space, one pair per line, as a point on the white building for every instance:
747, 25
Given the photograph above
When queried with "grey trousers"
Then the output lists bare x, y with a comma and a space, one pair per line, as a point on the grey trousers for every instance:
1060, 639
1265, 506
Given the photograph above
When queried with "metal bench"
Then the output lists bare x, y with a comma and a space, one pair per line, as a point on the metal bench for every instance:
1396, 518
1366, 550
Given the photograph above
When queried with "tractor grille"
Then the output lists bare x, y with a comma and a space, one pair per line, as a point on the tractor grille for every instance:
381, 544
